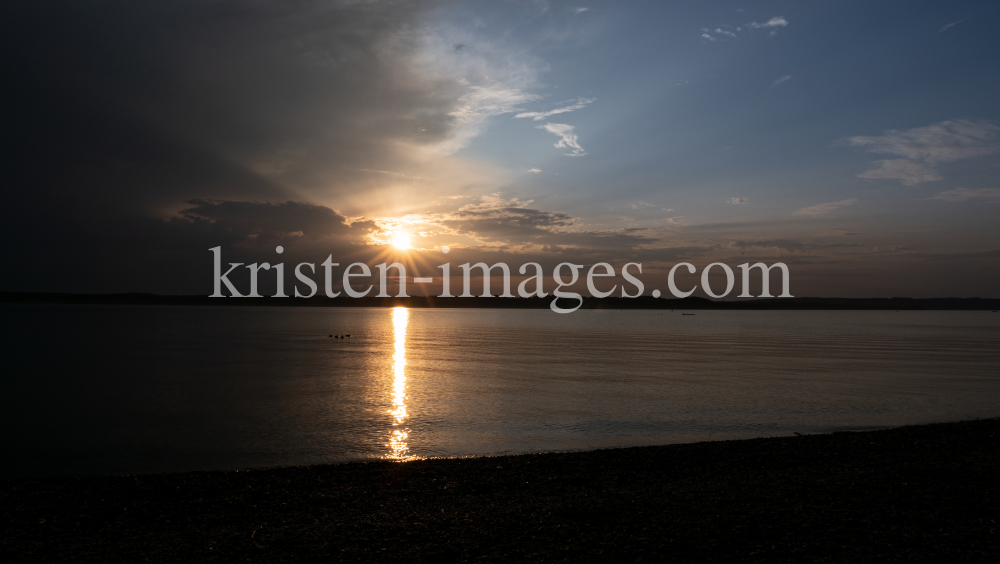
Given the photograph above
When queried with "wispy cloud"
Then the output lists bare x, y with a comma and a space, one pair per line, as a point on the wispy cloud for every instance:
906, 171
392, 173
963, 194
840, 232
538, 116
640, 206
534, 170
488, 77
511, 223
824, 209
789, 245
738, 201
478, 105
568, 138
781, 79
579, 10
483, 101
776, 21
495, 201
949, 26
942, 142
922, 148
721, 32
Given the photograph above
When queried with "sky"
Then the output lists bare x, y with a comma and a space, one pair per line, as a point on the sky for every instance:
856, 142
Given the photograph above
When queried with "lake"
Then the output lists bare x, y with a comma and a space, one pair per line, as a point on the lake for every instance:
141, 389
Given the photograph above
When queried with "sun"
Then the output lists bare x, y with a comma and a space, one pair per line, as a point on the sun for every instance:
401, 240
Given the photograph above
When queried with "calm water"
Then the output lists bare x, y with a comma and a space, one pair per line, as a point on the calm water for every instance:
130, 389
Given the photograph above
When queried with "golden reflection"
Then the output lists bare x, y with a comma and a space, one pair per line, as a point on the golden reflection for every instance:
397, 440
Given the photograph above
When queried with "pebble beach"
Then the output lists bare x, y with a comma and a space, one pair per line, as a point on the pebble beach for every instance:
925, 493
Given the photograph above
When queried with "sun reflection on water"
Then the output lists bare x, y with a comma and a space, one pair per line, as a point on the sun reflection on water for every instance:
398, 438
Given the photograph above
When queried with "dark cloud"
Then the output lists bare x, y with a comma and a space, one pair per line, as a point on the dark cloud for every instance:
123, 114
992, 254
781, 244
161, 99
509, 224
521, 226
139, 134
271, 221
677, 253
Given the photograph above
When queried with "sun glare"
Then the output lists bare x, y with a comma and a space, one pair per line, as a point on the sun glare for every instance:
401, 240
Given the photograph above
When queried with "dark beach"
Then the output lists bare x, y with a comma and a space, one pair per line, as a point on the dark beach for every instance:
924, 493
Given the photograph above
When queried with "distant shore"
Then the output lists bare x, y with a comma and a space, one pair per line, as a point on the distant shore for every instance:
924, 493
642, 302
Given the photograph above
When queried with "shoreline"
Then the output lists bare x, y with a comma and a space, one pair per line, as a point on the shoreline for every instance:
496, 302
916, 493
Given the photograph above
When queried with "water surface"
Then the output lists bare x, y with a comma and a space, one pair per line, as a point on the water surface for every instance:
134, 389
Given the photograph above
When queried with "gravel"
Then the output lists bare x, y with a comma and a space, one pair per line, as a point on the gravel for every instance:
923, 493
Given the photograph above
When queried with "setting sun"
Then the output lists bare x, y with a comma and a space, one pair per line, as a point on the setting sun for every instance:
401, 240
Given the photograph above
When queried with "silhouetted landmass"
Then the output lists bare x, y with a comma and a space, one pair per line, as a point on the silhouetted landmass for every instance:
643, 302
924, 493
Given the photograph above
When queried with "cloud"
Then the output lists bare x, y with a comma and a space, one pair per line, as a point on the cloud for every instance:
738, 201
512, 222
495, 201
782, 79
568, 138
840, 232
720, 33
776, 21
577, 11
167, 108
780, 244
392, 173
923, 148
824, 209
510, 225
991, 254
479, 104
224, 100
534, 170
641, 206
892, 249
271, 221
942, 142
489, 101
906, 171
538, 116
963, 194
493, 74
949, 26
